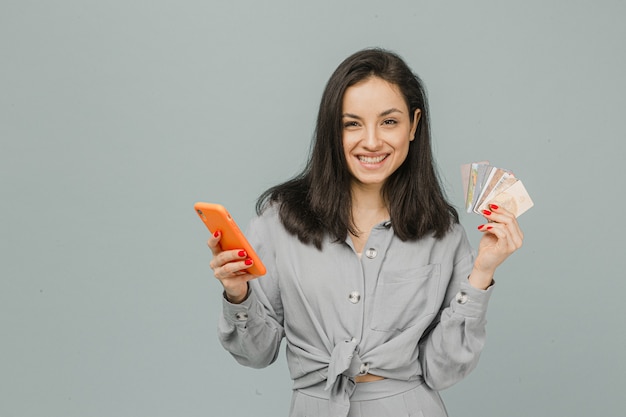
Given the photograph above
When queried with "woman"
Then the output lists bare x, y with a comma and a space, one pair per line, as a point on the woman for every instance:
370, 277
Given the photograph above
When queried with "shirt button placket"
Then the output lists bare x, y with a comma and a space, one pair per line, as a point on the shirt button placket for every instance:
354, 297
371, 253
461, 297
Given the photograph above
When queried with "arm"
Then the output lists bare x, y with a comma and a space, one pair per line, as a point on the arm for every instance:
250, 326
251, 331
451, 349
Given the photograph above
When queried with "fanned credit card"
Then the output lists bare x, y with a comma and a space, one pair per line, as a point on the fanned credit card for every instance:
485, 184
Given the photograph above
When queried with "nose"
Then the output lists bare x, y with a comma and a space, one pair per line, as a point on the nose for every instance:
371, 139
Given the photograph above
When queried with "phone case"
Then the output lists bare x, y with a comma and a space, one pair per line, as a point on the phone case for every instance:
216, 217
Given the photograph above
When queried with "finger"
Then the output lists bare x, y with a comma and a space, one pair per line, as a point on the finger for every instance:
501, 215
234, 270
498, 214
505, 240
214, 242
224, 257
517, 236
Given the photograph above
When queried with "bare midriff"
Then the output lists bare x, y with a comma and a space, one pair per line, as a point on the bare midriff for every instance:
367, 378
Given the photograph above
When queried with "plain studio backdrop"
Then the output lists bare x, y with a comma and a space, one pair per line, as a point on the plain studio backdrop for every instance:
116, 116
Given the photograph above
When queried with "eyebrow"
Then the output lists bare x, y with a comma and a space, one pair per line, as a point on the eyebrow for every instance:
383, 114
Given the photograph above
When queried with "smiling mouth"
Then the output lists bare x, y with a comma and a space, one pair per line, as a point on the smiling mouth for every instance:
372, 159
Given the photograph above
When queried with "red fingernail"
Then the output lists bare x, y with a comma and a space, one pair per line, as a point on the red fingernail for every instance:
242, 253
217, 233
489, 227
248, 262
481, 226
493, 207
486, 212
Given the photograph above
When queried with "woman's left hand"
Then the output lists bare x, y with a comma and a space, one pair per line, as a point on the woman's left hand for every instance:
502, 236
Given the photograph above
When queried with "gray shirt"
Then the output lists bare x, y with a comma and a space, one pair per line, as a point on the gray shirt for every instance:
403, 310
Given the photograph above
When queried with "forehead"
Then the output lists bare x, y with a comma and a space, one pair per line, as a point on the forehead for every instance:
373, 92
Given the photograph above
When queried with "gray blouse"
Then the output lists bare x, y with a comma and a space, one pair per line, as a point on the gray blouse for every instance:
403, 310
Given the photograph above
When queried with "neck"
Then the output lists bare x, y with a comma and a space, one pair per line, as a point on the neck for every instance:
367, 197
368, 208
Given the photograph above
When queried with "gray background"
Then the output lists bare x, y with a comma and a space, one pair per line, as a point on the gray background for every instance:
116, 116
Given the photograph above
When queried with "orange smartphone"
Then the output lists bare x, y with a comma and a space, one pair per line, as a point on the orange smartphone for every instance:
215, 217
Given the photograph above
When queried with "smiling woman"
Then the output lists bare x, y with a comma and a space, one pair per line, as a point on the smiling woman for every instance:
412, 194
370, 278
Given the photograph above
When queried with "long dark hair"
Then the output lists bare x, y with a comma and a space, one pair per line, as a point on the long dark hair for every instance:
318, 200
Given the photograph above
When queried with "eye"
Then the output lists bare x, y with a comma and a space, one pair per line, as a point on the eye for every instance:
350, 123
390, 122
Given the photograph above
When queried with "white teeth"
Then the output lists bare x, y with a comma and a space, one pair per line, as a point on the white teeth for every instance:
371, 159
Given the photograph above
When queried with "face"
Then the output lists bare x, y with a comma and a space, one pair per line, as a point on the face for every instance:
377, 130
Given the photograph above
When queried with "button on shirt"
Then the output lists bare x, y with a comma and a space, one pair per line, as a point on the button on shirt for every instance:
404, 311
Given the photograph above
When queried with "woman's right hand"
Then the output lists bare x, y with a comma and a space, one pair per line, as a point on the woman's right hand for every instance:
230, 268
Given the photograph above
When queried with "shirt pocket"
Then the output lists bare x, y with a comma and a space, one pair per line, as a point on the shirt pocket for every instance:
405, 297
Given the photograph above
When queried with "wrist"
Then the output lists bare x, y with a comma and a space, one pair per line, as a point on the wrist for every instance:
481, 279
237, 297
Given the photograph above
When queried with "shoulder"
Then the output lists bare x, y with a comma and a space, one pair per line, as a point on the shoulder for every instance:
263, 230
268, 218
459, 243
456, 232
455, 241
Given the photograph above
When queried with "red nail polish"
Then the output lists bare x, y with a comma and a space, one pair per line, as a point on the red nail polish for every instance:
489, 227
493, 207
217, 233
248, 262
241, 253
481, 226
486, 212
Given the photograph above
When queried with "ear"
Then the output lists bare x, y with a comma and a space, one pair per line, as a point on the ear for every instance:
416, 120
